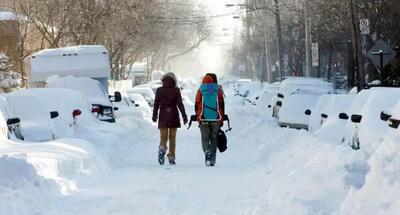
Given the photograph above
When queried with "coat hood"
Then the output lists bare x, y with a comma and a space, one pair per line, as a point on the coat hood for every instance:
169, 80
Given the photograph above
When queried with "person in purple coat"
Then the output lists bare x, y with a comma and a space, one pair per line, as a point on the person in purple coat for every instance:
167, 102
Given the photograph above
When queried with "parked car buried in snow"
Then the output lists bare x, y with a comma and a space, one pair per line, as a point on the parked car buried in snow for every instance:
300, 84
365, 128
9, 123
146, 92
91, 89
295, 113
331, 125
36, 121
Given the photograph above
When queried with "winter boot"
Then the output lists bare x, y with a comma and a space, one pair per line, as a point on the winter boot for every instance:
171, 160
208, 159
161, 154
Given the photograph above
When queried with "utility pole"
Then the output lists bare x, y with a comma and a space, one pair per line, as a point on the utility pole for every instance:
279, 35
307, 24
267, 56
247, 39
357, 52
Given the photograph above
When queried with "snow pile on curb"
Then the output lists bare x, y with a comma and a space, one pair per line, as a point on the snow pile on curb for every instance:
381, 192
18, 172
310, 175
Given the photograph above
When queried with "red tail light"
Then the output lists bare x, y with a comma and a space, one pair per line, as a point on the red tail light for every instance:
76, 113
95, 110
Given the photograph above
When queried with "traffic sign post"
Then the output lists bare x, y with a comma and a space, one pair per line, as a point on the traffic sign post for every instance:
381, 54
364, 27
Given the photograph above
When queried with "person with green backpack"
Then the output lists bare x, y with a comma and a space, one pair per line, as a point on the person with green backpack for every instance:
210, 108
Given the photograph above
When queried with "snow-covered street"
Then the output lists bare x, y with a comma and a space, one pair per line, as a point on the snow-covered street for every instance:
266, 170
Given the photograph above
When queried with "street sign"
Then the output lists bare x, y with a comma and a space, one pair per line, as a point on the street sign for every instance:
381, 54
364, 26
315, 54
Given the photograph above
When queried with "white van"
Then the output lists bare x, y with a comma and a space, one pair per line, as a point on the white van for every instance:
91, 61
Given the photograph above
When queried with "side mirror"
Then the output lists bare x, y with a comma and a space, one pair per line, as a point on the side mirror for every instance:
117, 97
356, 118
54, 114
325, 116
394, 123
343, 116
281, 95
384, 116
76, 113
116, 108
307, 112
279, 103
13, 121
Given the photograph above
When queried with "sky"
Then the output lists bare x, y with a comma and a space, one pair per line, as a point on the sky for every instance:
210, 54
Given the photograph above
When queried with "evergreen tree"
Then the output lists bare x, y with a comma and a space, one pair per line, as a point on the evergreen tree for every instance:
8, 79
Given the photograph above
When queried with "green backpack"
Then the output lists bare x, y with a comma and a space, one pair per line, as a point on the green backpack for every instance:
210, 107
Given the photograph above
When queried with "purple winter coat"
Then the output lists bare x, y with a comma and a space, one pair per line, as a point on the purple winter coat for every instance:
168, 100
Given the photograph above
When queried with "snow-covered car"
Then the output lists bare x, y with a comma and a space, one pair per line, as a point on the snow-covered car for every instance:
250, 92
132, 103
154, 85
36, 120
146, 92
267, 99
297, 84
316, 118
239, 83
9, 123
294, 114
68, 104
91, 89
138, 100
365, 128
332, 127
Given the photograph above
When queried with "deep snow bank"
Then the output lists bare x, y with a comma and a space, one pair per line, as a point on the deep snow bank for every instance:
310, 175
17, 172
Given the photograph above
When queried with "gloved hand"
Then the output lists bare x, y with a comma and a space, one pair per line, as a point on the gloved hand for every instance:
154, 119
185, 120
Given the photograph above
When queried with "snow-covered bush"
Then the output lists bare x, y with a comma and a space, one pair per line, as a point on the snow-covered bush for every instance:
8, 78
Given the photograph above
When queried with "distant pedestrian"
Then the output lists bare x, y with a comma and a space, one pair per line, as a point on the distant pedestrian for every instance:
210, 108
167, 102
